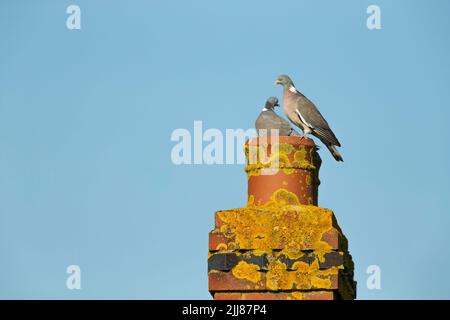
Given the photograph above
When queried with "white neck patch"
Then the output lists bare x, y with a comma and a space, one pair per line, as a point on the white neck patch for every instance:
265, 109
292, 89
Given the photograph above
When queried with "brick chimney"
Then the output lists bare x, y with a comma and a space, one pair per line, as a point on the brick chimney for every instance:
281, 245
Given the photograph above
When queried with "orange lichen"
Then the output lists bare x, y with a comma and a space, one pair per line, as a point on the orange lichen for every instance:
308, 180
221, 247
281, 198
247, 271
251, 200
280, 157
280, 223
232, 246
277, 277
304, 276
278, 243
297, 295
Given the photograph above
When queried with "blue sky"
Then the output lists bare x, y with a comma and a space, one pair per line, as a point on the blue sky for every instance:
86, 116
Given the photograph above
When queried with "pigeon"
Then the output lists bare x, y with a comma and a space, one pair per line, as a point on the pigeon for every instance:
268, 120
304, 114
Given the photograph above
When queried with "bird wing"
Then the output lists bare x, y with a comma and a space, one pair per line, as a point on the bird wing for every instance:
270, 120
285, 127
311, 116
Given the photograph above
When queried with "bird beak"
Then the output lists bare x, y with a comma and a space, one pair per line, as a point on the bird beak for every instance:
277, 82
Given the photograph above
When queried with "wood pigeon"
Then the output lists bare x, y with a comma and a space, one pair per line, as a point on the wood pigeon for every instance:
268, 120
304, 114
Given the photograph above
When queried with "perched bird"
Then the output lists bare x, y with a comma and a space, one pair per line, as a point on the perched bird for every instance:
304, 114
268, 120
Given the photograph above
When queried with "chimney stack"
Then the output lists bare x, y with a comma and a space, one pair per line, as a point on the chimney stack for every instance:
281, 245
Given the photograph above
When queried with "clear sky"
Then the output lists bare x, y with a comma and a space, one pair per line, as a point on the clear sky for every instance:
86, 116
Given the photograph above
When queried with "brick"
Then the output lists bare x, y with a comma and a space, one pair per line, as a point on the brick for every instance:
216, 240
335, 239
227, 296
332, 259
261, 260
285, 236
316, 295
226, 281
222, 234
279, 283
223, 261
332, 237
346, 287
265, 295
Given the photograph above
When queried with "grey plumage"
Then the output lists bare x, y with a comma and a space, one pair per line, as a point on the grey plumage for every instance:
268, 119
304, 114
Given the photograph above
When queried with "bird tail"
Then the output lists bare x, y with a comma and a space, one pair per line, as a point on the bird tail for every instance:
335, 153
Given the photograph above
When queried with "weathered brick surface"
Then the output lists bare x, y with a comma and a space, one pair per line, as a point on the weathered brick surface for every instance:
279, 246
228, 296
265, 295
219, 242
226, 281
225, 261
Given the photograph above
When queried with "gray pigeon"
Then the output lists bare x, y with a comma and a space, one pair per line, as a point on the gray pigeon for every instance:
304, 114
268, 120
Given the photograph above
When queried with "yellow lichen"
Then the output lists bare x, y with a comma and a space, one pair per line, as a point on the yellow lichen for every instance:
221, 247
247, 271
281, 227
283, 197
227, 230
279, 198
308, 180
293, 254
251, 200
281, 221
277, 278
257, 158
297, 295
304, 276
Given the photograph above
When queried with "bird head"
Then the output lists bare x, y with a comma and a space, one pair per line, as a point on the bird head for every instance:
272, 102
284, 80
